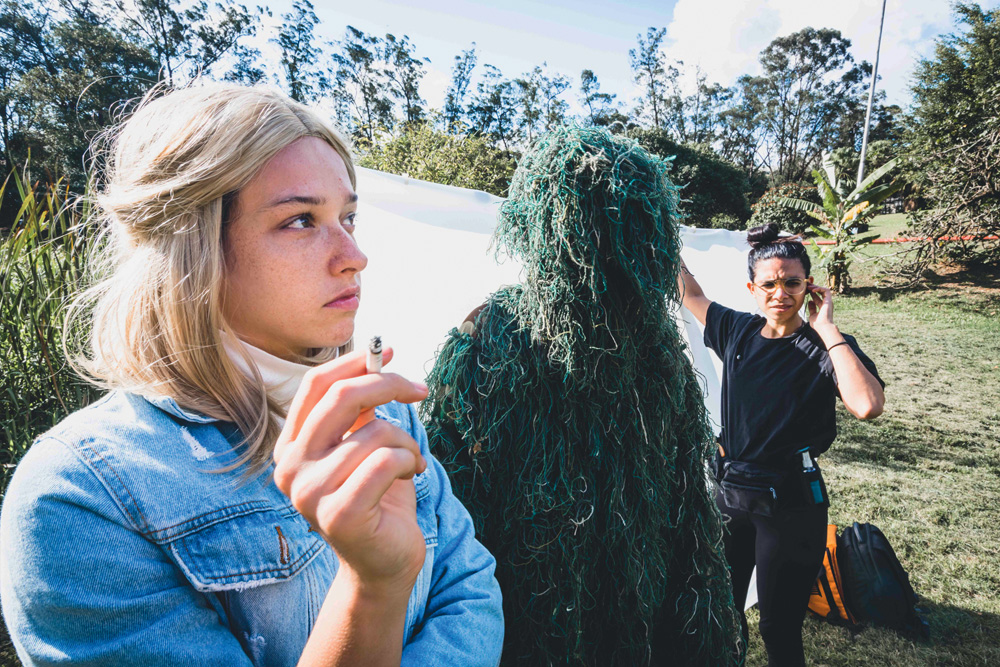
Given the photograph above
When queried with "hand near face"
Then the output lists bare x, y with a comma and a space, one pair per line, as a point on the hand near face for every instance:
356, 489
819, 303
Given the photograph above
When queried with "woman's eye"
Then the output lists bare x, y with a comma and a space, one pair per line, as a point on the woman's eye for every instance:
351, 220
300, 222
768, 285
793, 283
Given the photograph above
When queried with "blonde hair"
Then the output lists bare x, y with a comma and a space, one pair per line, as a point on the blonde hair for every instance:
171, 173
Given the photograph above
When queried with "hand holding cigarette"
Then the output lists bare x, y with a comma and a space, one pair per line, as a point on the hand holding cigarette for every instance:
351, 475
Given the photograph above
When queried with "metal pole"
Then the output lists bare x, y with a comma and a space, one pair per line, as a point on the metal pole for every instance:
871, 99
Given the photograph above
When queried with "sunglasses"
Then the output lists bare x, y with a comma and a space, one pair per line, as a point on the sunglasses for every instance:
791, 286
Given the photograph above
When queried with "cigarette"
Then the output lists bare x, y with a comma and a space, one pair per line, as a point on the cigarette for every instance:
373, 364
373, 360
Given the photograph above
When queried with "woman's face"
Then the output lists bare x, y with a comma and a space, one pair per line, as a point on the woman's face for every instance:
778, 305
292, 265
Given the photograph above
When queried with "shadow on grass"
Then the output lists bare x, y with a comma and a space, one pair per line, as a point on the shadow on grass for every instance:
980, 278
984, 276
958, 636
955, 626
898, 446
888, 444
881, 293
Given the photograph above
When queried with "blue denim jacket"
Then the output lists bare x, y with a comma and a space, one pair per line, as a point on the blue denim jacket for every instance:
120, 545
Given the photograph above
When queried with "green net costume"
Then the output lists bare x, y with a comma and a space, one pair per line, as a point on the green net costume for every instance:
573, 427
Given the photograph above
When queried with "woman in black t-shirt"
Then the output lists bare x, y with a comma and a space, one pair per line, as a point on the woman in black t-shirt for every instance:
781, 377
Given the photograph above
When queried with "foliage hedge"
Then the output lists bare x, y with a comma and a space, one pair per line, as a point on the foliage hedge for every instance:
714, 190
767, 209
427, 154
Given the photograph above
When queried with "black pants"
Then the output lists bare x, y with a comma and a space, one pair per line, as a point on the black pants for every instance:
787, 549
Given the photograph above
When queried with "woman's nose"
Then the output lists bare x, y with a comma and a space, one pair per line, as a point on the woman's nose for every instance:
347, 256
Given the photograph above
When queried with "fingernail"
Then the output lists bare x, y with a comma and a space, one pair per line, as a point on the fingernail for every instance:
419, 386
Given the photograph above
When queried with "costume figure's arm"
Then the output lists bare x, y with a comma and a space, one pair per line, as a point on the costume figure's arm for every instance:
463, 620
80, 584
692, 295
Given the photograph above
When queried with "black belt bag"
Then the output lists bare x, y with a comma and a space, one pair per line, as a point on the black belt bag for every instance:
753, 488
758, 489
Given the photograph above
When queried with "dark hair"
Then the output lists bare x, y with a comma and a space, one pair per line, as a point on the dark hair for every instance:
765, 242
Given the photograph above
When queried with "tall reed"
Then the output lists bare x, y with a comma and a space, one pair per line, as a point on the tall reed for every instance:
42, 261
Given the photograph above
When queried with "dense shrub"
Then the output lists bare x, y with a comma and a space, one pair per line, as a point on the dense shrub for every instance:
711, 185
953, 144
767, 209
725, 221
430, 155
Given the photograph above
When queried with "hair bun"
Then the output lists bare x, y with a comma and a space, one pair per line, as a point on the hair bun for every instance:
763, 235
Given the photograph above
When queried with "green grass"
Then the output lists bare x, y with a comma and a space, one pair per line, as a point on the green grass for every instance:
891, 225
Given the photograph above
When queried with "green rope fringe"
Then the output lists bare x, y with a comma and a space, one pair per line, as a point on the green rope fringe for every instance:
573, 426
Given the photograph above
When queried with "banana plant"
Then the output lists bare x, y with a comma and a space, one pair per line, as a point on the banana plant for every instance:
843, 215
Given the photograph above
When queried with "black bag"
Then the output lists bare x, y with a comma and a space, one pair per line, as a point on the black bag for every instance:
752, 488
876, 588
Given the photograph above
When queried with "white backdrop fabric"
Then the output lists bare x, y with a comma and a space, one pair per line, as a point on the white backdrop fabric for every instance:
430, 263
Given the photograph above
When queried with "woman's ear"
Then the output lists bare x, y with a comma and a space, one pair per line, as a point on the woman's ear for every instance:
750, 287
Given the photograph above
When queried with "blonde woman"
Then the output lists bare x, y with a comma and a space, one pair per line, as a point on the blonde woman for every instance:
221, 506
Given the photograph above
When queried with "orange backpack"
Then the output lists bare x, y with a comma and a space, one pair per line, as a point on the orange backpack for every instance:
827, 599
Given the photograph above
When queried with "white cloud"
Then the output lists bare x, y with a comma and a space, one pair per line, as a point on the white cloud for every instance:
725, 37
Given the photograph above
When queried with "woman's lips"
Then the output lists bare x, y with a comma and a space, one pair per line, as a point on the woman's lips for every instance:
346, 301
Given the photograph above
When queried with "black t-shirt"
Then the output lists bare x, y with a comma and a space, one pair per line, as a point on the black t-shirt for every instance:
778, 394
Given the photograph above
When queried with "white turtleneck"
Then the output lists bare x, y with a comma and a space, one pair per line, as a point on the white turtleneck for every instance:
281, 377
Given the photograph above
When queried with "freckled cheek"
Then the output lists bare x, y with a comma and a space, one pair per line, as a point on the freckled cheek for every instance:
252, 274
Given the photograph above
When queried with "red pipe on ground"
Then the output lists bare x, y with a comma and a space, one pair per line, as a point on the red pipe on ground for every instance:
907, 239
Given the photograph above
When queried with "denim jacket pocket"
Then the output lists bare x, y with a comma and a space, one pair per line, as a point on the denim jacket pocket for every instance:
242, 547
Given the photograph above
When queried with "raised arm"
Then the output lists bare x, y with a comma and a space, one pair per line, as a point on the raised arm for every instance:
693, 297
860, 391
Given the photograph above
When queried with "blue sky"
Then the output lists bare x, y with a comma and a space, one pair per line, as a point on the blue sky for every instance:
722, 36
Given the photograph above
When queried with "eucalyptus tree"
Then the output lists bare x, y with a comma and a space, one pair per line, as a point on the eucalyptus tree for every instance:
598, 105
555, 107
59, 87
741, 138
185, 39
362, 85
461, 78
540, 101
807, 78
702, 108
528, 87
301, 56
404, 72
656, 76
492, 112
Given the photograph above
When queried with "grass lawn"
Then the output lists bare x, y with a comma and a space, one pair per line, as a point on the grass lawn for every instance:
890, 226
927, 472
